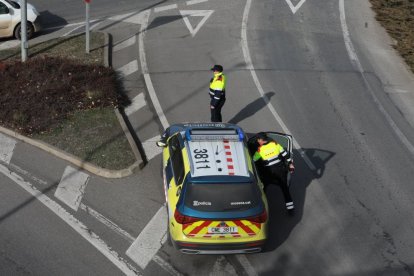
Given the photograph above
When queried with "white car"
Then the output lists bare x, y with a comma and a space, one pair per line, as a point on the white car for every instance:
10, 17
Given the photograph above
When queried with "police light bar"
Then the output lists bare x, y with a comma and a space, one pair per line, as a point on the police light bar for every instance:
214, 134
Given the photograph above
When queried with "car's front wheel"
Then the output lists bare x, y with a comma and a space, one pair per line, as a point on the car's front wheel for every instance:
18, 30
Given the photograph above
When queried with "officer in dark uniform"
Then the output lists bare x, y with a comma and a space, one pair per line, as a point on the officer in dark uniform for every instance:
276, 162
217, 93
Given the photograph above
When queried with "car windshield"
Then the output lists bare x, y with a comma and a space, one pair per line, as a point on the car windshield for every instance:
222, 197
13, 4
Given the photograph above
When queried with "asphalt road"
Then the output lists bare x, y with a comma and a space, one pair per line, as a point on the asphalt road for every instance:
289, 72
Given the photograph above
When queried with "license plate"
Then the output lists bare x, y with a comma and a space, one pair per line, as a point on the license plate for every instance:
222, 230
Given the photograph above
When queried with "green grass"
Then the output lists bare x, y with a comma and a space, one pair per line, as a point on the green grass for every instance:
95, 136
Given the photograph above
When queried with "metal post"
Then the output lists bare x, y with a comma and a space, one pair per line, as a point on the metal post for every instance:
87, 27
23, 28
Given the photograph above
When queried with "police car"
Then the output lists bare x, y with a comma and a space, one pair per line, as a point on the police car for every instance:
214, 196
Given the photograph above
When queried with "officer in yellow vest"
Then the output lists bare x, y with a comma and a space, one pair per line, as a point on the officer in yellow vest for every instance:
276, 163
217, 93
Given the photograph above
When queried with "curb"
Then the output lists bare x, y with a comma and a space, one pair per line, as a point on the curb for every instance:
140, 163
71, 158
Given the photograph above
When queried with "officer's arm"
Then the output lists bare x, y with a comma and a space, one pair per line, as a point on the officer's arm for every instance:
215, 99
256, 156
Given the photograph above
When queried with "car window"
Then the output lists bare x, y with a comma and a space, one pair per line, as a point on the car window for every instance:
13, 4
220, 197
3, 9
176, 159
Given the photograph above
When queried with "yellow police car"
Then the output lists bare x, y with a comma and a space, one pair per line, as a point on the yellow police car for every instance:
215, 199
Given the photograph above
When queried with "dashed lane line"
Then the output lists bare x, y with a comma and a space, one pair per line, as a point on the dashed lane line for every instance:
165, 8
75, 224
72, 187
150, 240
151, 148
7, 146
124, 44
128, 69
193, 2
137, 103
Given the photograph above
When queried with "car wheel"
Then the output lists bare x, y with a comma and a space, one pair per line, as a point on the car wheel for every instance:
18, 31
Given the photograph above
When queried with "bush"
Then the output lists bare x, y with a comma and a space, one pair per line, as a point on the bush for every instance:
40, 93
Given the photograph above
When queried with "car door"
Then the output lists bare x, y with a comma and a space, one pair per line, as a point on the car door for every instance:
5, 20
285, 140
174, 172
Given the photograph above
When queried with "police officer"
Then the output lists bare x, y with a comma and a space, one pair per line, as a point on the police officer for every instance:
276, 163
217, 93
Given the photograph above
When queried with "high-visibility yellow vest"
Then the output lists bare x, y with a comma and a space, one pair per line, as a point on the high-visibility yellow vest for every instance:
269, 153
218, 83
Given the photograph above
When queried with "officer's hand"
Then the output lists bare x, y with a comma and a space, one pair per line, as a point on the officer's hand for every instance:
291, 168
212, 107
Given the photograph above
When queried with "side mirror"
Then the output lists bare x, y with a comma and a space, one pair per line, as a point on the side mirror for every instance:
161, 144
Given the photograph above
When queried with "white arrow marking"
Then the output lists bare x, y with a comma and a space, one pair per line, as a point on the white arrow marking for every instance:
204, 13
293, 7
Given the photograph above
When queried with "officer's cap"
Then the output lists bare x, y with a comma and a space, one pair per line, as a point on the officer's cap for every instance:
217, 67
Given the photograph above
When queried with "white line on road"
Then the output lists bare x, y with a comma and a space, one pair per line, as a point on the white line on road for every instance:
27, 174
72, 187
78, 27
128, 68
149, 241
124, 44
246, 265
7, 146
107, 222
199, 13
137, 103
165, 8
193, 2
113, 226
151, 148
355, 60
147, 77
9, 44
75, 224
293, 7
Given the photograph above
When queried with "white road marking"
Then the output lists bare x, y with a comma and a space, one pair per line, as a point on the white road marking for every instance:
165, 8
200, 13
149, 240
128, 68
7, 146
9, 44
107, 222
193, 2
246, 265
28, 174
75, 224
293, 7
166, 266
133, 17
151, 148
137, 103
249, 64
222, 268
355, 60
147, 77
72, 187
124, 44
114, 227
78, 27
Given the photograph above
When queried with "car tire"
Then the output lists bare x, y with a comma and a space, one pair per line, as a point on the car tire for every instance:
30, 30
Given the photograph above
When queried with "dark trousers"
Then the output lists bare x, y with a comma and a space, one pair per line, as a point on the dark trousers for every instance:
277, 175
216, 111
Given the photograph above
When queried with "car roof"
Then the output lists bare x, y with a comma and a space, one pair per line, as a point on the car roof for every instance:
216, 150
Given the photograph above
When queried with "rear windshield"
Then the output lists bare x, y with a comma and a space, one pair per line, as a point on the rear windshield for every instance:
222, 197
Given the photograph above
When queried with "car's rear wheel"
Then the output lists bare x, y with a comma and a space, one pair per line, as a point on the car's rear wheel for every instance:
18, 30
